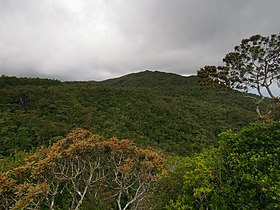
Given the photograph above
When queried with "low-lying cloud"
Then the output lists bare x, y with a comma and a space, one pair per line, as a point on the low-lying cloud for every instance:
96, 40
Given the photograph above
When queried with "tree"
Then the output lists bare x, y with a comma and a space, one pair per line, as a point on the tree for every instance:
251, 161
254, 65
242, 173
133, 171
202, 183
79, 166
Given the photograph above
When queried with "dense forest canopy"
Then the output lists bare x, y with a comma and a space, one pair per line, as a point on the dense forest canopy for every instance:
158, 109
51, 157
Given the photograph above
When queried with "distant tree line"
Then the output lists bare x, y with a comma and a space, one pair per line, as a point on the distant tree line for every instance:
14, 81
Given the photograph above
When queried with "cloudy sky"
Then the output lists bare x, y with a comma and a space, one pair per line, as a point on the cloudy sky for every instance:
101, 39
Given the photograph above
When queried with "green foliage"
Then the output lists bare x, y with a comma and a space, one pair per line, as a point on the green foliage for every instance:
252, 161
254, 65
156, 109
170, 186
14, 81
202, 182
243, 173
14, 160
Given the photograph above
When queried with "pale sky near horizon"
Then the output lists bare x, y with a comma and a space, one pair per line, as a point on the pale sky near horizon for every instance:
102, 39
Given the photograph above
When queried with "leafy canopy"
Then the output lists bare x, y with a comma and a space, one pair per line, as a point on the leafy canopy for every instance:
254, 65
243, 173
79, 167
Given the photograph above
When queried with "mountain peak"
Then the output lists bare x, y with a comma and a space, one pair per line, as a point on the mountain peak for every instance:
148, 78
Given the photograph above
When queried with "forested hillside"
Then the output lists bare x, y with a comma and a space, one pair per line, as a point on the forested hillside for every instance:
157, 109
51, 157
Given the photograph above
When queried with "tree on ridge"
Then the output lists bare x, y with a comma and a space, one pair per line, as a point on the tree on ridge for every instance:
254, 65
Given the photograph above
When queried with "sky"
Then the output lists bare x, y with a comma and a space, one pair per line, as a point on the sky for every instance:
102, 39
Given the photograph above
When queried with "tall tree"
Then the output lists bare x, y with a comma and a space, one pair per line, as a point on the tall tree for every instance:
242, 173
254, 65
82, 166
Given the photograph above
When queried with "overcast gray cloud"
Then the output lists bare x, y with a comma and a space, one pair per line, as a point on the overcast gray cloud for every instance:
100, 39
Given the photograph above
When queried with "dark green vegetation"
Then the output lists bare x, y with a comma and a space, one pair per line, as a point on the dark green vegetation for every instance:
254, 65
156, 109
216, 155
236, 169
242, 173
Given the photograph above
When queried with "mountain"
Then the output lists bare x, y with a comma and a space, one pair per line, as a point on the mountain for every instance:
163, 110
147, 79
156, 81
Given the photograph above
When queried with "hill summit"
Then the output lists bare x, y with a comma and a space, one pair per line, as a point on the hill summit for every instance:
147, 79
163, 110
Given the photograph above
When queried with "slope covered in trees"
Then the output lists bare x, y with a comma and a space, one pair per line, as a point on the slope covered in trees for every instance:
158, 109
86, 171
43, 166
242, 173
167, 111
